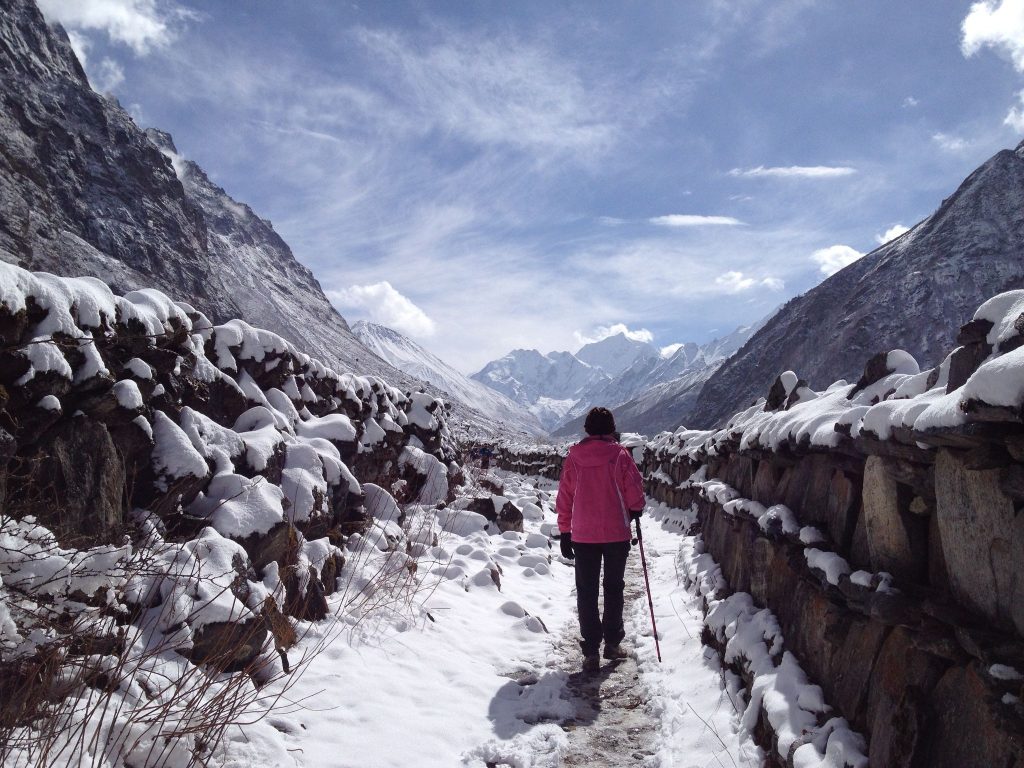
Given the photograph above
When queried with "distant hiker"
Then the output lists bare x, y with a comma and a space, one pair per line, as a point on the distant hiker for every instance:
485, 457
600, 491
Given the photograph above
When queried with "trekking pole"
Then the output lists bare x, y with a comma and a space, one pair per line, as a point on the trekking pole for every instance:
647, 581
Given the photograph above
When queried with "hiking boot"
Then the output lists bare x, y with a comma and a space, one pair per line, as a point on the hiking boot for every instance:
591, 663
615, 652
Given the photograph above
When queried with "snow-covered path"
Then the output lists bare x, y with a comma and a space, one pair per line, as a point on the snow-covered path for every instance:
474, 675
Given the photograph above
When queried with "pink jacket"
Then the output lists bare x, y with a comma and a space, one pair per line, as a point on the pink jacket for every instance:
600, 485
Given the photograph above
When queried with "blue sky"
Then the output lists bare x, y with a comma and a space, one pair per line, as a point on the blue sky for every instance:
485, 176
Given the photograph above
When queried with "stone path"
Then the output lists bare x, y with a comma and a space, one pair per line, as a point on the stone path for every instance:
612, 727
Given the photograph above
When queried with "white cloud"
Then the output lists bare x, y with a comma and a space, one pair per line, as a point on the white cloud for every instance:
691, 220
671, 349
950, 143
140, 24
1015, 117
794, 172
602, 332
80, 44
910, 102
611, 221
738, 282
734, 282
381, 303
832, 259
891, 233
107, 76
999, 26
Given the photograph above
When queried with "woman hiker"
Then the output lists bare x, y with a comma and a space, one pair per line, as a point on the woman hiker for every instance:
600, 491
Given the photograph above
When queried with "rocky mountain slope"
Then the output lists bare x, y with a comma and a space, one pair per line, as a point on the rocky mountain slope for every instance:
84, 191
912, 293
408, 356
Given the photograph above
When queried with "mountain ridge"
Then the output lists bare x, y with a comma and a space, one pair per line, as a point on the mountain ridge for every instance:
911, 293
411, 358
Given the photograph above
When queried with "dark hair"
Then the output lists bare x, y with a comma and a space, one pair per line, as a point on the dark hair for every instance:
599, 422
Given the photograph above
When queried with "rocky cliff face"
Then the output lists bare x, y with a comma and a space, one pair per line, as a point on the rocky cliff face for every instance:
256, 269
912, 293
82, 189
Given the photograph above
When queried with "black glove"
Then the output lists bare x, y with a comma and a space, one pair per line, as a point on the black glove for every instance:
634, 515
565, 542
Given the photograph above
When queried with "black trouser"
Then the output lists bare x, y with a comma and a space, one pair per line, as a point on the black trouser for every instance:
588, 577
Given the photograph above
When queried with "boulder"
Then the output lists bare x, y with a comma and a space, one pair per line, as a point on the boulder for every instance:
228, 645
72, 480
875, 369
964, 361
500, 510
309, 604
841, 508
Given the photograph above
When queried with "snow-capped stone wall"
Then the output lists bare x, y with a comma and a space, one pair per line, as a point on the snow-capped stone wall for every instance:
210, 475
881, 523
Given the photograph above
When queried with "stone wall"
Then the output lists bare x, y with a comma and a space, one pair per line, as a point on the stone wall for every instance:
540, 460
896, 576
135, 419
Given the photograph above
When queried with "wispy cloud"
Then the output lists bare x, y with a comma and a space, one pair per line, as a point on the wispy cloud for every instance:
691, 220
834, 258
738, 282
497, 91
793, 172
382, 303
949, 143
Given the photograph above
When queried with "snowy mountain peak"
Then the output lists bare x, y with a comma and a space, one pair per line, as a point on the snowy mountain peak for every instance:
616, 353
409, 357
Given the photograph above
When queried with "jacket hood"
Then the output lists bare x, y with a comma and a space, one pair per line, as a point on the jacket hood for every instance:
595, 451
